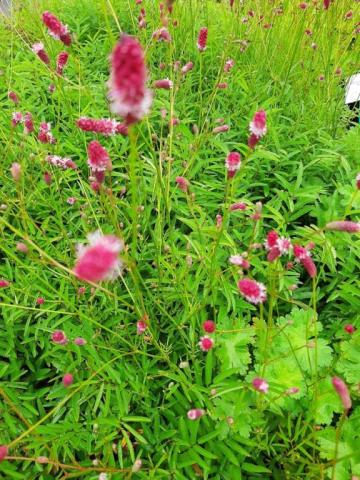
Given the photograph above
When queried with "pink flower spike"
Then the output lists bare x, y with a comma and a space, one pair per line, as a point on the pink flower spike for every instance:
59, 337
39, 50
67, 380
40, 301
99, 160
16, 118
326, 4
165, 84
303, 256
271, 240
4, 283
202, 39
206, 343
187, 67
228, 65
182, 183
141, 327
219, 220
13, 97
239, 261
22, 247
221, 129
15, 171
252, 141
252, 291
45, 135
71, 200
105, 126
209, 326
61, 162
258, 124
358, 181
100, 260
80, 341
349, 328
222, 86
61, 62
260, 385
162, 35
28, 123
56, 29
51, 88
343, 392
47, 178
344, 226
238, 206
303, 6
195, 413
128, 94
4, 450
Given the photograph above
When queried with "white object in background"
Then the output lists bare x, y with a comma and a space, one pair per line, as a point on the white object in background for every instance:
352, 94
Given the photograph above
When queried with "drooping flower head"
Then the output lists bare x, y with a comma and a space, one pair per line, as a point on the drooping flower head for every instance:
61, 61
13, 97
195, 413
56, 29
28, 123
252, 291
260, 385
343, 392
187, 67
344, 226
128, 94
221, 129
164, 83
39, 49
276, 246
100, 260
99, 160
202, 39
303, 256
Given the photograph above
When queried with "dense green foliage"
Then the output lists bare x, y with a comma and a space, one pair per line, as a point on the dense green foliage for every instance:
131, 393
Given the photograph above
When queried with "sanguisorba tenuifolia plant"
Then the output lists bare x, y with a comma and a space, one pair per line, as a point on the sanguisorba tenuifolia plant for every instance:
180, 241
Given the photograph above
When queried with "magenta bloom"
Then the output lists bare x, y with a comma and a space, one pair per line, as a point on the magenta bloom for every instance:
206, 343
67, 380
303, 6
182, 183
165, 83
105, 126
303, 256
61, 61
228, 65
358, 181
221, 129
99, 160
60, 162
40, 301
326, 4
258, 124
162, 35
260, 385
28, 123
100, 260
13, 97
344, 226
343, 392
276, 246
80, 341
349, 328
141, 327
239, 261
56, 29
209, 326
39, 50
22, 247
4, 450
232, 163
202, 39
195, 413
16, 118
59, 337
187, 67
128, 94
238, 206
252, 291
45, 135
4, 283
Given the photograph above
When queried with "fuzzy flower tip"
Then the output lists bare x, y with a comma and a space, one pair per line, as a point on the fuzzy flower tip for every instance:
15, 171
195, 413
4, 283
349, 328
187, 67
303, 256
61, 61
257, 128
99, 160
165, 84
326, 4
252, 291
202, 39
61, 162
239, 261
80, 341
343, 392
358, 181
232, 163
56, 29
67, 380
141, 327
182, 183
59, 337
4, 450
100, 260
206, 343
128, 94
344, 226
260, 385
39, 49
105, 126
209, 326
13, 97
